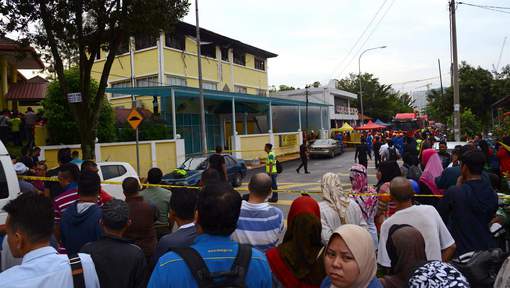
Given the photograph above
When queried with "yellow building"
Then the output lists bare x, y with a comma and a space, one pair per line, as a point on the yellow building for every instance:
171, 59
16, 92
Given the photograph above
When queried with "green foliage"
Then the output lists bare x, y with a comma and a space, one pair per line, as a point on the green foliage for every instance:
150, 129
286, 88
379, 100
503, 128
470, 124
62, 126
478, 90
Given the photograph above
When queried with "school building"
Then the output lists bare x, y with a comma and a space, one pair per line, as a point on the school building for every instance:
235, 82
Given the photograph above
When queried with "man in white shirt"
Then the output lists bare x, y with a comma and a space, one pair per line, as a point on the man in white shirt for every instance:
439, 244
259, 224
29, 228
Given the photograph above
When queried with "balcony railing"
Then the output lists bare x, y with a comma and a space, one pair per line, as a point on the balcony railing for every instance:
346, 110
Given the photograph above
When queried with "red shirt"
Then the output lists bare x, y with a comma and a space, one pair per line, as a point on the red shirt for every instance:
504, 160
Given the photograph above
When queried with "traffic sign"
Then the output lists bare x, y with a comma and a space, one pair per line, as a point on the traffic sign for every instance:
134, 118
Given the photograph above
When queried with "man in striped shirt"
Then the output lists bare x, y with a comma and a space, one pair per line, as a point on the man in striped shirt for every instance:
259, 224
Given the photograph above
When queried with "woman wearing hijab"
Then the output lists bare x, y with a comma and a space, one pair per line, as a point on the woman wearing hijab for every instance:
406, 249
386, 171
437, 274
337, 207
365, 196
432, 169
349, 260
298, 261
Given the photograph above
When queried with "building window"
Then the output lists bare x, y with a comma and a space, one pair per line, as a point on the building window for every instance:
261, 92
224, 54
145, 41
209, 85
241, 89
175, 40
208, 50
147, 81
175, 81
120, 84
260, 64
239, 58
123, 47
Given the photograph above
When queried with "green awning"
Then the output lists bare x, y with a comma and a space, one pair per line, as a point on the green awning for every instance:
190, 92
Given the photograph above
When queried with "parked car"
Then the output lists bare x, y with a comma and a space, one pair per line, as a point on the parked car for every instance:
326, 147
115, 172
193, 168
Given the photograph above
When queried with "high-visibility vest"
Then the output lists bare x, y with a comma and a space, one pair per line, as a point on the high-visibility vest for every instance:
271, 159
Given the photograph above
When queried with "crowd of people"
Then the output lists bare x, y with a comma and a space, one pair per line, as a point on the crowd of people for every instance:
18, 127
402, 232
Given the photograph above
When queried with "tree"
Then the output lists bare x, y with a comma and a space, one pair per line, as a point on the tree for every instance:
379, 100
286, 88
316, 84
81, 29
478, 91
61, 125
470, 124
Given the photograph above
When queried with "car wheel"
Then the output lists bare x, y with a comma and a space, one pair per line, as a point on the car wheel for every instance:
238, 180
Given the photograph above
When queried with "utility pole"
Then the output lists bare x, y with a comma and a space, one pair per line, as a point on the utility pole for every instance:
200, 89
455, 74
306, 113
440, 76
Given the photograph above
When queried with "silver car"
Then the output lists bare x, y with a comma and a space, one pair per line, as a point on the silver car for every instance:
326, 147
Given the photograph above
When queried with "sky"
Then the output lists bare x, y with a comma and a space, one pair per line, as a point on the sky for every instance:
313, 38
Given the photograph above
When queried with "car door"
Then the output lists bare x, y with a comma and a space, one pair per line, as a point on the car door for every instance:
231, 167
113, 173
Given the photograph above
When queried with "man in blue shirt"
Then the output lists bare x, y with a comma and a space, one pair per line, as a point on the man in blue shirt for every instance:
29, 229
218, 211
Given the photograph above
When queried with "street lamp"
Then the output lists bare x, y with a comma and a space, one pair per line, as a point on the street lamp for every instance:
359, 80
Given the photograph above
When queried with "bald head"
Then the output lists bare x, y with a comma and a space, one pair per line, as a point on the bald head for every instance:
401, 189
260, 185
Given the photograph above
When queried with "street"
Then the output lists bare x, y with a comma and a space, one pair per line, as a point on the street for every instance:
297, 183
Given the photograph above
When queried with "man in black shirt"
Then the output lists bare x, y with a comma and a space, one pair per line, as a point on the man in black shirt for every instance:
53, 189
118, 262
303, 154
377, 147
362, 152
217, 161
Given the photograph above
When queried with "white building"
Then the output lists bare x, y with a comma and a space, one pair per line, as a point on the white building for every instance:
340, 109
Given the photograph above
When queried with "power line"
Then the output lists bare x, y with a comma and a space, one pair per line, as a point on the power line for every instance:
484, 6
368, 38
360, 36
487, 7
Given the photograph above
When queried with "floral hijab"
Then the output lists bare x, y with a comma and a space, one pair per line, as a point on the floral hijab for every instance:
364, 195
334, 195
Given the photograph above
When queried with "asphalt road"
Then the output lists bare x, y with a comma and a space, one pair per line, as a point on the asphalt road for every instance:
295, 183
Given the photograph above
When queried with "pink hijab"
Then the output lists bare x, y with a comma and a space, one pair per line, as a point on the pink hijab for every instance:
433, 168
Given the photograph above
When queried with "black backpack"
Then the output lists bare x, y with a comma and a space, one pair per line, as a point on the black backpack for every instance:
205, 279
392, 154
279, 167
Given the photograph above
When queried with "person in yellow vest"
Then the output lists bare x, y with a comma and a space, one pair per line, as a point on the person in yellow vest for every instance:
271, 170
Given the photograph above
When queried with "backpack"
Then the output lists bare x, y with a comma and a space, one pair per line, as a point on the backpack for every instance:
205, 279
480, 267
392, 154
279, 167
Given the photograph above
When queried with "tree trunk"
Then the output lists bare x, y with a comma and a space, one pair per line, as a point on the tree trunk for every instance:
88, 139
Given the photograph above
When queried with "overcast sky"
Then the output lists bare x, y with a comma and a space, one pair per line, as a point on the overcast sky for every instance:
312, 38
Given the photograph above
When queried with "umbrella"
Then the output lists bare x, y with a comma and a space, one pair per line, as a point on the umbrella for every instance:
379, 122
370, 126
345, 128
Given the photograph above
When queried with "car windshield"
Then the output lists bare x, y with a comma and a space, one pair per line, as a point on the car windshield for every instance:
195, 163
322, 142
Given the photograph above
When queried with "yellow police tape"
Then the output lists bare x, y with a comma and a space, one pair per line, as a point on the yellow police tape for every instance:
55, 179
